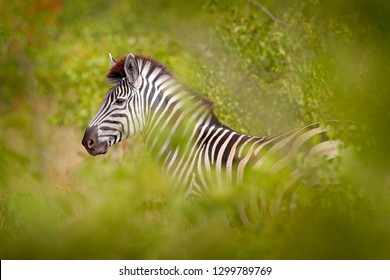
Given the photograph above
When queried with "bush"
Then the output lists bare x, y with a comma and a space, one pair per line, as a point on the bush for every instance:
320, 61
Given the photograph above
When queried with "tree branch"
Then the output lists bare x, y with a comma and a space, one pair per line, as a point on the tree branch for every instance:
268, 13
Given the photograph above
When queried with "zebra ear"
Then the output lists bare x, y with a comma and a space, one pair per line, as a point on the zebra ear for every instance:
113, 61
131, 68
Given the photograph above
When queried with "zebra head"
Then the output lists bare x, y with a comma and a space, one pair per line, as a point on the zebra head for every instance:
119, 115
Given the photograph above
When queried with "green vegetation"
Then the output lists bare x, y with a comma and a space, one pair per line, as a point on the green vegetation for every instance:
320, 60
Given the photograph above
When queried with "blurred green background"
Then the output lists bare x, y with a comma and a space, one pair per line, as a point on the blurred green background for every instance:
319, 60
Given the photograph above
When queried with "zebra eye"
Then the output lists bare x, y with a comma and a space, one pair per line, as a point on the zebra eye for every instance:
120, 101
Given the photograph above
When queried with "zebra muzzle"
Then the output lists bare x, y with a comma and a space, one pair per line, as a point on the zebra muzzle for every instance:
91, 142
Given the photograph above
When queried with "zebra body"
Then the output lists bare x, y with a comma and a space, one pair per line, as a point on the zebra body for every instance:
180, 129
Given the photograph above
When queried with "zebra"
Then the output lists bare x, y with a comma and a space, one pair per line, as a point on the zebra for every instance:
181, 130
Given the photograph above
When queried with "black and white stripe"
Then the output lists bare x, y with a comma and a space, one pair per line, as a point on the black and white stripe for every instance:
180, 129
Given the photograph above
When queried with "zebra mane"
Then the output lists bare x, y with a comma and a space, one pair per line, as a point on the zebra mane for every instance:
117, 73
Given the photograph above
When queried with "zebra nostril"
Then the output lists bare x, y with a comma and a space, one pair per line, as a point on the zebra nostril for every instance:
90, 139
90, 143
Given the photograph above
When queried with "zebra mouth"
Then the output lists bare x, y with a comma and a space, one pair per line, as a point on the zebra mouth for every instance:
98, 150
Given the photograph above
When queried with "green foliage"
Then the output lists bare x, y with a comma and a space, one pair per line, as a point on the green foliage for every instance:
322, 60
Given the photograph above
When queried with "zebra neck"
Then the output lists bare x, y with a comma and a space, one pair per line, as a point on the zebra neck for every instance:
174, 116
176, 131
